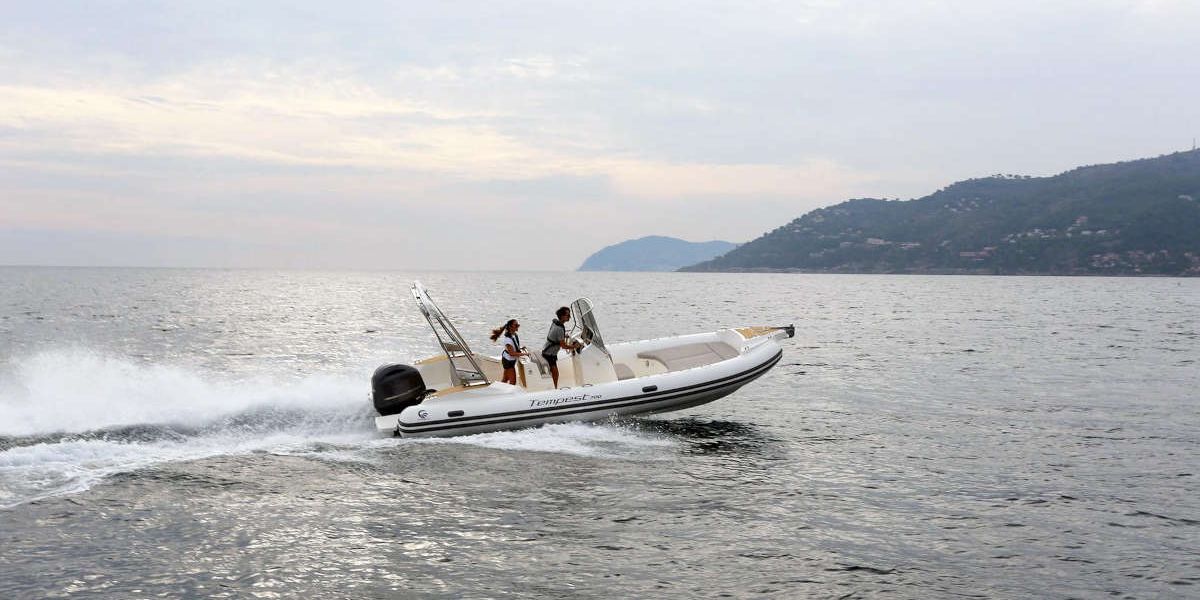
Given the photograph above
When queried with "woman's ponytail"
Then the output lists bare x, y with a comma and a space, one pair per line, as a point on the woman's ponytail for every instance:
496, 333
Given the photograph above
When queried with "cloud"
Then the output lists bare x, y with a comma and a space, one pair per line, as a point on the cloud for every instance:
292, 115
269, 114
665, 180
348, 125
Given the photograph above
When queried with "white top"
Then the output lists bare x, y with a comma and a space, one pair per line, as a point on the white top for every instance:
508, 340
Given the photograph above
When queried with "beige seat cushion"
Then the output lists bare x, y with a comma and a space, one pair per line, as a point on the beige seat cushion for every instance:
690, 356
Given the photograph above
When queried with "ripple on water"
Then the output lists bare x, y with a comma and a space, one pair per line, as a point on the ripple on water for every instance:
987, 437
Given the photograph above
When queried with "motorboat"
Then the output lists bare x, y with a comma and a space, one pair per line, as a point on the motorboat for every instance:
457, 392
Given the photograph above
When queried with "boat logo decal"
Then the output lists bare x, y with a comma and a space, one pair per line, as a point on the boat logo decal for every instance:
549, 402
424, 414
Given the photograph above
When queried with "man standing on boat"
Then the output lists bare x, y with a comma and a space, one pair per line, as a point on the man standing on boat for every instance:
557, 339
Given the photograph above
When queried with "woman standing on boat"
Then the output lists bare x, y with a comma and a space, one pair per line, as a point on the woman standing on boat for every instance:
512, 350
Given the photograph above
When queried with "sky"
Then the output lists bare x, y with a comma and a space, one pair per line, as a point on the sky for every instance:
528, 135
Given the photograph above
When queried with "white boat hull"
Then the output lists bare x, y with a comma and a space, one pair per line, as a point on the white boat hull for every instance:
498, 406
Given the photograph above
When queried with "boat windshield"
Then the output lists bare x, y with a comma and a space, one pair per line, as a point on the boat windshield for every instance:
585, 319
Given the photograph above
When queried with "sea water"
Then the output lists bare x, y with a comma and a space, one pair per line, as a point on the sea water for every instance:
208, 433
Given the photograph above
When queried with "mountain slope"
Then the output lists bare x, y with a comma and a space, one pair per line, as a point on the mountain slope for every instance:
1137, 217
653, 253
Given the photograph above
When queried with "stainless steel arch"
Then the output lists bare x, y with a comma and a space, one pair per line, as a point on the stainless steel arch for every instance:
464, 370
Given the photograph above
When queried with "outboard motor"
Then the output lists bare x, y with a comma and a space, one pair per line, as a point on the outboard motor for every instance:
395, 388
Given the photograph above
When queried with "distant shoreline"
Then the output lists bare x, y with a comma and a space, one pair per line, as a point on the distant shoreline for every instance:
940, 272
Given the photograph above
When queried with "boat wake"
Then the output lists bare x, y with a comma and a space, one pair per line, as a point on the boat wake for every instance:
71, 418
619, 441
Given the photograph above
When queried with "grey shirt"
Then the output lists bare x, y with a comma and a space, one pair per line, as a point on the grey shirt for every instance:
554, 338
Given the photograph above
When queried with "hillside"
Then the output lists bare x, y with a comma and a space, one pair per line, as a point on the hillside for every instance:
1133, 218
654, 253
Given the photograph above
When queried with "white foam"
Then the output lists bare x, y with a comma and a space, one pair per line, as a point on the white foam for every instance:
48, 469
580, 439
84, 399
77, 390
42, 470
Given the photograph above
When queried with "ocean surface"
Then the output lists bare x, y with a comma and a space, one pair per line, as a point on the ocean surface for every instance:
208, 433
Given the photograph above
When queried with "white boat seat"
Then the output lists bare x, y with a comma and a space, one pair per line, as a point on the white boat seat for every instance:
677, 358
623, 371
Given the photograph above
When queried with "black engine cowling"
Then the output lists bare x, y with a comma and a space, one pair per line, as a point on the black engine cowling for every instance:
396, 387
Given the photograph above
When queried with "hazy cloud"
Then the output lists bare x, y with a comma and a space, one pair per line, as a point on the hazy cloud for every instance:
369, 134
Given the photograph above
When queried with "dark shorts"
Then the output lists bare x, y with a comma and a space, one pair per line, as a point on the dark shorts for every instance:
508, 364
551, 358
